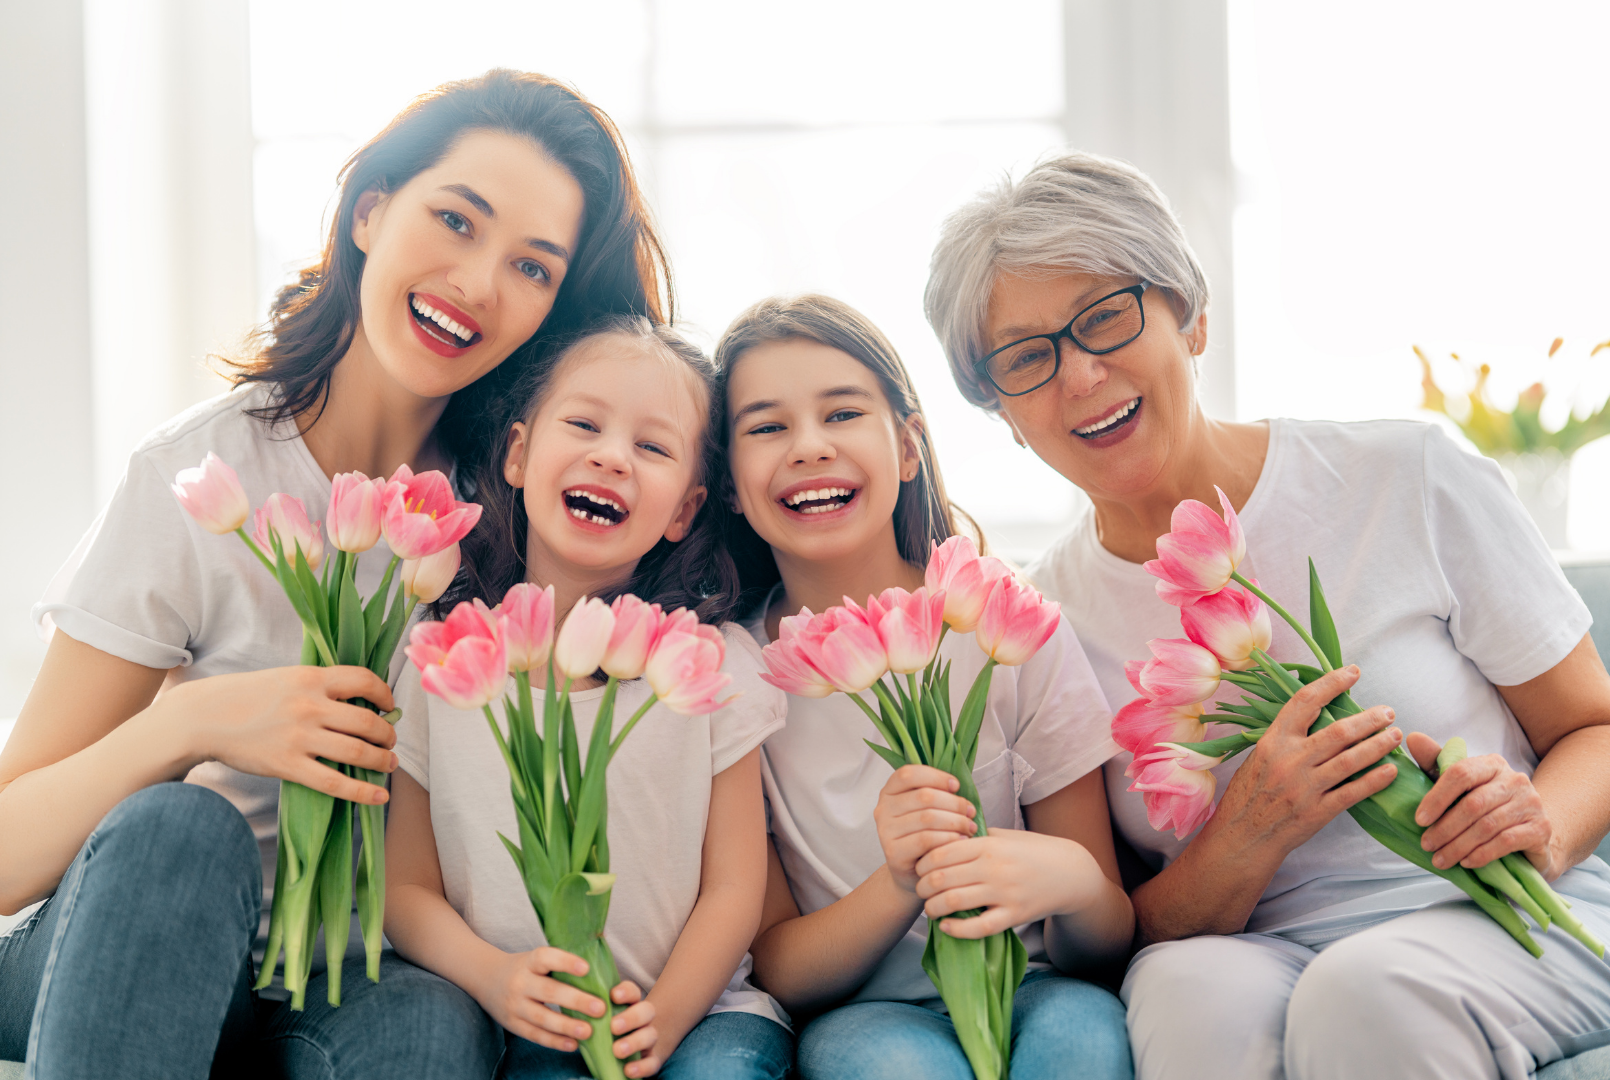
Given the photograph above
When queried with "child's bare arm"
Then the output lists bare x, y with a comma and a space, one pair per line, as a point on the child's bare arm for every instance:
732, 888
514, 988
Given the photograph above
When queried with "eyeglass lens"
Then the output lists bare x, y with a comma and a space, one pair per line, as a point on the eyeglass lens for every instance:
1110, 324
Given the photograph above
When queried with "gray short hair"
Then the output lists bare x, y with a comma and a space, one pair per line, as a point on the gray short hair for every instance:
1075, 212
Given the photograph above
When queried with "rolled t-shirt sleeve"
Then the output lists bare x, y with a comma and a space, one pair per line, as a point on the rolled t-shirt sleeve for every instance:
130, 587
759, 710
1064, 728
413, 728
1510, 609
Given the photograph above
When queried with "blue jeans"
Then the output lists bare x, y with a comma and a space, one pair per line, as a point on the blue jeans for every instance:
724, 1046
140, 967
1061, 1027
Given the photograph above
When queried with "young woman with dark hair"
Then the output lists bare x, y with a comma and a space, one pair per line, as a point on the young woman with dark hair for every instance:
833, 472
492, 212
599, 490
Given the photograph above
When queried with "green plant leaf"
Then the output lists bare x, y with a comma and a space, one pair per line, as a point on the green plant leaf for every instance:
895, 760
1320, 623
350, 644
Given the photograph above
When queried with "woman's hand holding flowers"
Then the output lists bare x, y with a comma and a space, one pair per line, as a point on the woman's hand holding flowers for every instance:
279, 721
1480, 810
917, 812
1015, 875
1293, 783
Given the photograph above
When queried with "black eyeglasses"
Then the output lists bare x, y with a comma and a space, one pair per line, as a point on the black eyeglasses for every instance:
1105, 326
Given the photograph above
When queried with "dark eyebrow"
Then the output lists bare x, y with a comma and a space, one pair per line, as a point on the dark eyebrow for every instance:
754, 407
846, 391
473, 197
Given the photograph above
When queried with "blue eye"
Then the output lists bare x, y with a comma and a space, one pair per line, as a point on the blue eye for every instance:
455, 221
654, 448
533, 270
842, 415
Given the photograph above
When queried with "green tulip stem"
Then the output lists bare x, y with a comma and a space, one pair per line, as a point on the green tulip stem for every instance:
264, 559
630, 724
1302, 631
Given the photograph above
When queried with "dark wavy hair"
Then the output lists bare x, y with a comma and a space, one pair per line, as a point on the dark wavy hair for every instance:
695, 572
923, 513
619, 268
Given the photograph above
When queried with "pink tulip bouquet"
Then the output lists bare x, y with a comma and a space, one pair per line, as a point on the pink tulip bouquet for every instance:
560, 801
1226, 620
891, 647
422, 524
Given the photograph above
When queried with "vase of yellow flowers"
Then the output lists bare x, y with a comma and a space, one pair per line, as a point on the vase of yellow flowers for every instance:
1535, 460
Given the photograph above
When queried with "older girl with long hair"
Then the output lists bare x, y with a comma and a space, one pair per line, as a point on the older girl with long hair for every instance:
489, 213
835, 491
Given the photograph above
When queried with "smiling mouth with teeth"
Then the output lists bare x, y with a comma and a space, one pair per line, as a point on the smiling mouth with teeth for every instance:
594, 508
1124, 415
819, 500
441, 326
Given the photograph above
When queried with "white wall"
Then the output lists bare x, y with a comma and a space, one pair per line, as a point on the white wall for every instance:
47, 437
1148, 81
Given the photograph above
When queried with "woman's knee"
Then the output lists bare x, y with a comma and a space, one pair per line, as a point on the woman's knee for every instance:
184, 843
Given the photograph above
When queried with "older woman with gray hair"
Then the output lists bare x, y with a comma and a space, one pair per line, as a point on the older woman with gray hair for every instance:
1279, 938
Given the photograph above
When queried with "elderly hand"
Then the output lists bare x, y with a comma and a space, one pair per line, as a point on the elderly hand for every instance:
1481, 810
1015, 876
1293, 783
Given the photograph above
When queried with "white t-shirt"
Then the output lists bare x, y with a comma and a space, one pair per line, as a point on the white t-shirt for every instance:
147, 584
1441, 587
1046, 724
659, 803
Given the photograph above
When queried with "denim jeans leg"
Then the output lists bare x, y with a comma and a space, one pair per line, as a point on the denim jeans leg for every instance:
732, 1046
881, 1040
23, 954
152, 923
411, 1023
526, 1060
1066, 1027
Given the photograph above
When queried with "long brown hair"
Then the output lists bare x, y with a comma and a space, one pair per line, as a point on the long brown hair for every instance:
923, 513
620, 266
695, 572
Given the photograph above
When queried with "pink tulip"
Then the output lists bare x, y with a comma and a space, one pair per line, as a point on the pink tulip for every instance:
427, 578
354, 514
1229, 623
786, 667
527, 614
583, 639
956, 569
211, 493
1180, 672
684, 668
284, 517
1198, 553
1176, 797
908, 624
1142, 724
841, 645
421, 516
637, 624
1016, 621
460, 660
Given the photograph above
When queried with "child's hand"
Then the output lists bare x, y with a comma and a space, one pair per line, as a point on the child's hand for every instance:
518, 993
1016, 876
636, 1024
917, 812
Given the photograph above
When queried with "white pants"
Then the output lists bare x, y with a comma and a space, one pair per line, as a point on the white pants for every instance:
1439, 993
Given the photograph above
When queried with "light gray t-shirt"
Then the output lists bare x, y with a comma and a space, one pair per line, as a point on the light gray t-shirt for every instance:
659, 803
1441, 588
147, 584
1045, 725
